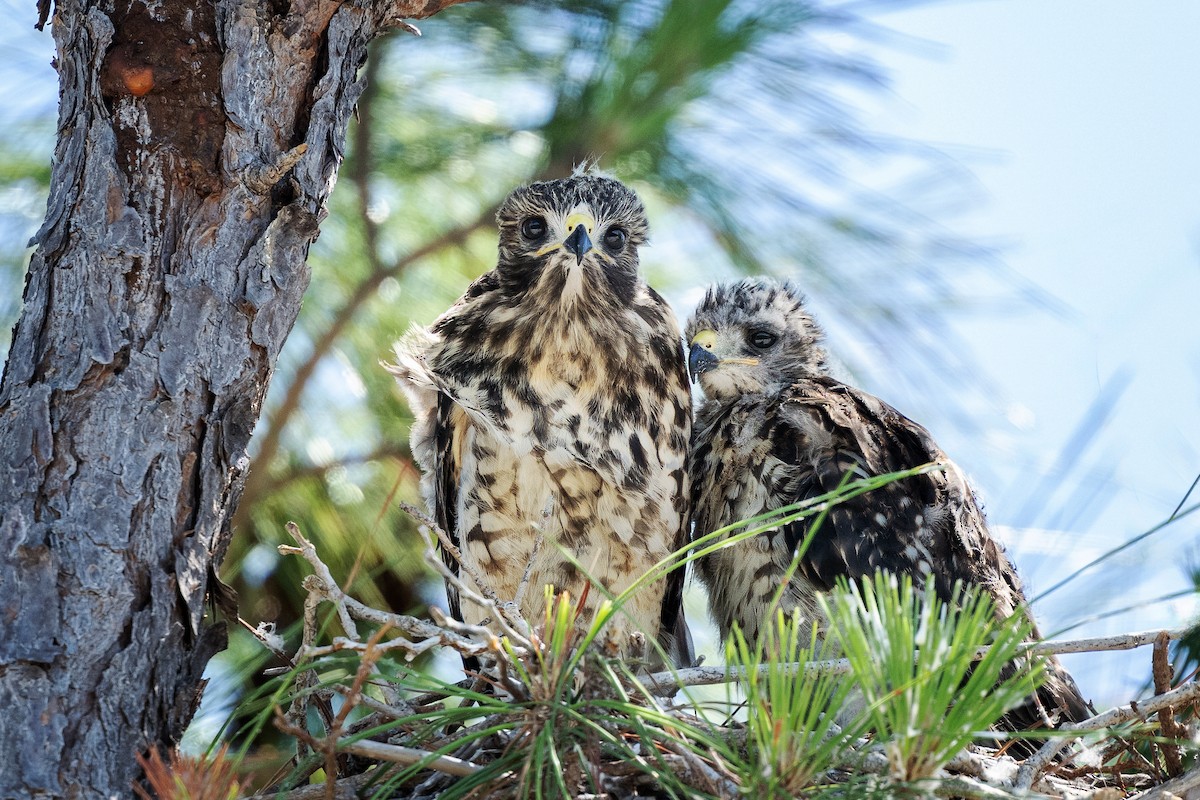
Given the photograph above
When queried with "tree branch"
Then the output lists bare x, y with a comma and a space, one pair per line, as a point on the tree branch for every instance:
407, 756
705, 676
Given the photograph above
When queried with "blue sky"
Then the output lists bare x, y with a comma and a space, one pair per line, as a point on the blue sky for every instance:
1081, 123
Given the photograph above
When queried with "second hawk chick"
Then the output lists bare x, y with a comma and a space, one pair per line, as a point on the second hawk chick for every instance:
552, 401
776, 429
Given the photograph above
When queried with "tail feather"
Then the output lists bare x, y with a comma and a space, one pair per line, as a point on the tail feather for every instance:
1056, 702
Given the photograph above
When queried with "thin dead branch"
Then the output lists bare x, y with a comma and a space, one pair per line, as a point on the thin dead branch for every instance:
419, 635
1068, 733
706, 676
324, 589
1172, 789
408, 756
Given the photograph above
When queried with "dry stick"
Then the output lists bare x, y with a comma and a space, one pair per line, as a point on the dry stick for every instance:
407, 756
346, 787
330, 589
967, 775
962, 786
1174, 788
693, 770
1162, 672
506, 613
450, 547
381, 710
323, 585
335, 743
1069, 732
508, 622
705, 676
470, 640
305, 679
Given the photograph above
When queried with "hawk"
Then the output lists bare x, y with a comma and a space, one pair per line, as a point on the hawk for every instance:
775, 428
552, 400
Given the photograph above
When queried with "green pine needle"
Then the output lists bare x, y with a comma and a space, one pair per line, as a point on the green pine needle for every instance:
925, 708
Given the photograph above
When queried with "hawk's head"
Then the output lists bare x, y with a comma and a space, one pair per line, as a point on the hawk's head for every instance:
572, 238
750, 336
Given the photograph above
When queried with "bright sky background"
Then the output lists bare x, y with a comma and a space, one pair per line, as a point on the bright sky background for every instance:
1081, 121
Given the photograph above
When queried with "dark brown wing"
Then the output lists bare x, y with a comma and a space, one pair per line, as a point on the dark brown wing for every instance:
447, 440
925, 524
918, 526
674, 634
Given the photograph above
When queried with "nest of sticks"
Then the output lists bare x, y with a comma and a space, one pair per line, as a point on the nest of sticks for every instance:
551, 709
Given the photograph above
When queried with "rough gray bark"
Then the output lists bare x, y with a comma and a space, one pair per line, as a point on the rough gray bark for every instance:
167, 275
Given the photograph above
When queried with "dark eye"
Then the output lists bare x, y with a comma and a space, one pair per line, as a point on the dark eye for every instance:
533, 228
762, 339
615, 239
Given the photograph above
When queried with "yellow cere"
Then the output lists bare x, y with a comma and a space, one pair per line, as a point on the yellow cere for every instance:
706, 339
580, 218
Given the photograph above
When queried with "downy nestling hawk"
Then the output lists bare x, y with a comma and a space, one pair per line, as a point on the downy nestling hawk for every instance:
775, 429
552, 400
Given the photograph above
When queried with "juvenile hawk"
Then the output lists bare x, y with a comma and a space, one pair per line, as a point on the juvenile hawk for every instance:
775, 429
552, 400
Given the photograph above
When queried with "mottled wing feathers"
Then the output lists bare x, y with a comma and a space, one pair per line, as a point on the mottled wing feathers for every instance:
834, 432
925, 526
449, 433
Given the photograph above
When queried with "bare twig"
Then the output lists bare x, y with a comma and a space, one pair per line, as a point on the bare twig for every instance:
992, 769
421, 635
1175, 788
1123, 641
346, 789
340, 644
506, 613
704, 676
450, 547
407, 756
967, 787
382, 711
326, 587
697, 773
1069, 732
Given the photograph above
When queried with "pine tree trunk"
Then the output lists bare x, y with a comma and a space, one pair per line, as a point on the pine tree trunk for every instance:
168, 273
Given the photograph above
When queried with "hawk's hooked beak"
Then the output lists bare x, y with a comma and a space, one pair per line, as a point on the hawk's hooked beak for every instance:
578, 242
701, 357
